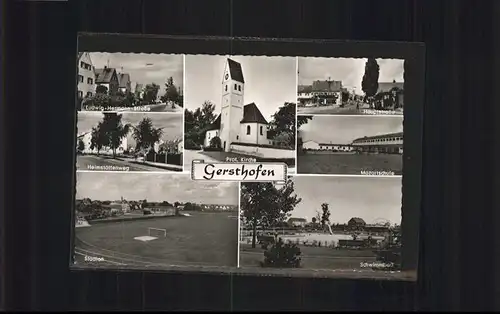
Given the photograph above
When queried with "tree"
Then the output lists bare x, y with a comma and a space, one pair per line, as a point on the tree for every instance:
101, 89
151, 93
314, 220
325, 215
114, 130
318, 217
215, 142
98, 138
171, 92
197, 122
265, 205
345, 96
146, 135
301, 120
283, 122
369, 84
81, 145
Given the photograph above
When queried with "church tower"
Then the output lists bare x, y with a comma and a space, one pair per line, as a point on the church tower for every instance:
233, 90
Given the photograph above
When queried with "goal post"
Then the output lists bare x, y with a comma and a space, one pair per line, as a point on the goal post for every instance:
157, 232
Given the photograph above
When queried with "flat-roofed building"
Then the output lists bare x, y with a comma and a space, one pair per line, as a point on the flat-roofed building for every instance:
391, 143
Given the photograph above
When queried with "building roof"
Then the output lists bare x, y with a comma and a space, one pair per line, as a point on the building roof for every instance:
80, 54
327, 86
330, 144
357, 220
252, 114
399, 134
123, 79
235, 70
387, 86
215, 125
104, 75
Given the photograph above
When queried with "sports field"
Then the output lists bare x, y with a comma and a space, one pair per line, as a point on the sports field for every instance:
349, 163
313, 257
202, 239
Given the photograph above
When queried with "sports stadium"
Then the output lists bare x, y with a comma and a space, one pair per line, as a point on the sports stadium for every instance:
197, 238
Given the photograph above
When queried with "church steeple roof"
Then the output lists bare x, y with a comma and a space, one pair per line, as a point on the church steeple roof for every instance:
235, 71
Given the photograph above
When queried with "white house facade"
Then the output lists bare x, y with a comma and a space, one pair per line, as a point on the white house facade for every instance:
237, 123
86, 76
86, 138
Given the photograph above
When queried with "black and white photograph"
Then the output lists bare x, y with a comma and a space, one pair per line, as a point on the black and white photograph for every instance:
240, 108
322, 223
350, 145
351, 86
154, 220
130, 141
130, 82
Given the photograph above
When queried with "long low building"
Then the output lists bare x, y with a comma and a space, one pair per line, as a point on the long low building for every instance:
312, 145
387, 143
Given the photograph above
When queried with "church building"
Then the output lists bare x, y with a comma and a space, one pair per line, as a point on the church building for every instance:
237, 123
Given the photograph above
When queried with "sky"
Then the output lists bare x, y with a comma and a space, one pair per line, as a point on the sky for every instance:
348, 70
345, 129
143, 68
171, 123
269, 81
154, 187
369, 198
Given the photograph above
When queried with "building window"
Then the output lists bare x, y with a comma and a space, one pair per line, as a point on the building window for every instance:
235, 87
261, 130
239, 88
237, 137
248, 130
89, 94
80, 94
82, 65
225, 88
80, 78
90, 81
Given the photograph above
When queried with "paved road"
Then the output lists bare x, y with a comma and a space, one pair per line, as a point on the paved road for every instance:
89, 161
190, 155
165, 108
348, 109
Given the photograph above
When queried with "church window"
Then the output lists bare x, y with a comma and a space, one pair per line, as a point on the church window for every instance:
261, 130
237, 137
248, 130
225, 88
239, 88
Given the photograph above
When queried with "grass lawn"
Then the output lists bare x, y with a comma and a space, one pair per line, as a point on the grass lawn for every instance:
203, 239
349, 163
221, 156
313, 257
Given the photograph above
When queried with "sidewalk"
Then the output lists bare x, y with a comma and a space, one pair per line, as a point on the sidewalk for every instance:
153, 164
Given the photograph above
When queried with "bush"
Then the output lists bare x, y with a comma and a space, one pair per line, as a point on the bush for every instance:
212, 149
174, 159
215, 142
281, 255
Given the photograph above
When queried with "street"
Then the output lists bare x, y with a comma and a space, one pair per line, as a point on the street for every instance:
165, 108
190, 155
347, 109
105, 163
